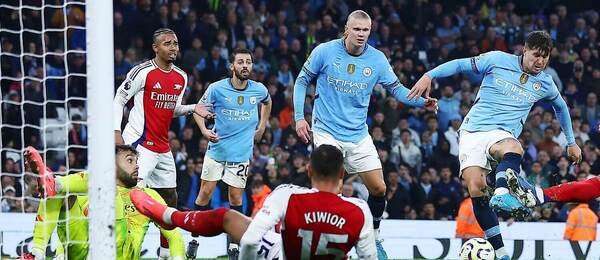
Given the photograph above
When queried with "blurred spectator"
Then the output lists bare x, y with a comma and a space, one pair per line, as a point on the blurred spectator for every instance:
537, 176
492, 41
211, 68
260, 191
407, 152
423, 192
466, 223
591, 110
449, 106
398, 197
452, 134
449, 192
581, 224
188, 184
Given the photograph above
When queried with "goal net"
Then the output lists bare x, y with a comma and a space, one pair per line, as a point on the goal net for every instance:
45, 82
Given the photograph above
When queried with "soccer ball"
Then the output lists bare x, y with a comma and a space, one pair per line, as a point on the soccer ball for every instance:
477, 249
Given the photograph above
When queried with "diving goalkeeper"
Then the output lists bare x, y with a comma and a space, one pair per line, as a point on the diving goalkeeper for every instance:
131, 226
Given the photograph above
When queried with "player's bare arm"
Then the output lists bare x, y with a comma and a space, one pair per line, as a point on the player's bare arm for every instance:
265, 111
208, 133
423, 86
303, 130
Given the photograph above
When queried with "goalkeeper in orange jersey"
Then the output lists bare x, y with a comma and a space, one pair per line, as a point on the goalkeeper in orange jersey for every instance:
130, 225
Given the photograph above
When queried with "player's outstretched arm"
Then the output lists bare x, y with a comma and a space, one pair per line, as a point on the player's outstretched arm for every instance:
562, 114
391, 83
479, 65
183, 110
423, 86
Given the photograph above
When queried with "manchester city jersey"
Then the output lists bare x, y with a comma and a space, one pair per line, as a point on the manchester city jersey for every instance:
344, 86
236, 118
506, 94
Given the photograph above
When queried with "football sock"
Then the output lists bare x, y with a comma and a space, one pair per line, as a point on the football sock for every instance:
204, 223
377, 206
488, 221
509, 161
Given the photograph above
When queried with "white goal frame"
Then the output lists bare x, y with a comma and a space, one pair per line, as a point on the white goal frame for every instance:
101, 145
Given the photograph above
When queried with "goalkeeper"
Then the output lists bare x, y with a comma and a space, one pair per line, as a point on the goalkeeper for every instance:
131, 226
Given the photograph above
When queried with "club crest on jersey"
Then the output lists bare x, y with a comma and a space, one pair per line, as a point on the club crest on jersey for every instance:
537, 86
252, 100
240, 100
351, 68
177, 86
524, 77
367, 72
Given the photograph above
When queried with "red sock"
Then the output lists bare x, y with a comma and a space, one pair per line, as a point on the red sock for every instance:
164, 243
207, 223
576, 191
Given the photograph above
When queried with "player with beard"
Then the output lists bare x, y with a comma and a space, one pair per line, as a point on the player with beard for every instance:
70, 218
236, 103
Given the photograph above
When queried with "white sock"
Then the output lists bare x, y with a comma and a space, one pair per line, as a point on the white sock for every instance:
167, 215
164, 253
540, 194
500, 191
38, 254
376, 234
501, 252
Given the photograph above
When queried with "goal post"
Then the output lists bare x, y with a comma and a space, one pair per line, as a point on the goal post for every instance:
101, 159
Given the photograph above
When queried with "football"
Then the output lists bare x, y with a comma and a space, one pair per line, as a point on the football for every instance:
477, 249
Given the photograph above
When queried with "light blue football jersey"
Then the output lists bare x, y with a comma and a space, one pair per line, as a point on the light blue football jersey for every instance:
236, 118
344, 86
506, 94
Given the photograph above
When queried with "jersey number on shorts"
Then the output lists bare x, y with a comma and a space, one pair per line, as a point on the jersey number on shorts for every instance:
324, 240
243, 170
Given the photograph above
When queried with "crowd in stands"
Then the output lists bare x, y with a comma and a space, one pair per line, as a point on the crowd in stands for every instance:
418, 150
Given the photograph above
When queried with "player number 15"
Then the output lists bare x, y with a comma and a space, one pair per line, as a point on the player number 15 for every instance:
324, 240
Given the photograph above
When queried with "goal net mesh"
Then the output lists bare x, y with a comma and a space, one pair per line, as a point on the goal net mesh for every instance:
43, 101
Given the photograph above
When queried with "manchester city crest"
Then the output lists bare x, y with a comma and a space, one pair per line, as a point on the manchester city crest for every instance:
252, 100
367, 72
537, 86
